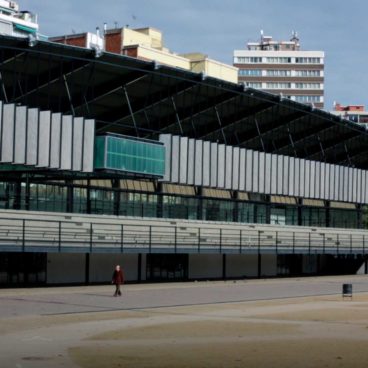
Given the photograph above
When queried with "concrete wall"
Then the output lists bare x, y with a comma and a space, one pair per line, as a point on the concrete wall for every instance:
65, 268
241, 265
202, 266
269, 265
71, 267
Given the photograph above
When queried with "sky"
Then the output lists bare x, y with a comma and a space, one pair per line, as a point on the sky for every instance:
218, 27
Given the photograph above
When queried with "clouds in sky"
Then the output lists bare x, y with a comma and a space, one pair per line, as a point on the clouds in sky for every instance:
217, 27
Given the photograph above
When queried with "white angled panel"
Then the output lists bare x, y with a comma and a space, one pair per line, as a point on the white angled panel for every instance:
268, 163
55, 140
317, 188
323, 169
297, 177
66, 142
166, 140
313, 179
249, 171
32, 134
273, 174
7, 139
175, 154
1, 122
236, 158
214, 165
338, 184
347, 179
78, 127
44, 139
285, 176
242, 169
206, 164
364, 187
280, 174
307, 179
198, 163
255, 186
261, 172
348, 182
20, 135
221, 166
354, 189
228, 167
88, 145
317, 180
291, 176
359, 186
340, 170
183, 160
191, 155
302, 178
328, 182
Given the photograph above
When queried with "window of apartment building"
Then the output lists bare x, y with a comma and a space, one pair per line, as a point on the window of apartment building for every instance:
308, 73
274, 85
253, 84
248, 60
308, 60
278, 60
308, 98
250, 72
278, 73
308, 85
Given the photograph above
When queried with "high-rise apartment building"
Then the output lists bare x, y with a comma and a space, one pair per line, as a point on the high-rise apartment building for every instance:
281, 67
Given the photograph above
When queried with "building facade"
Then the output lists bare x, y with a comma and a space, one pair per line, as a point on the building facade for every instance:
14, 22
107, 159
147, 44
355, 113
281, 67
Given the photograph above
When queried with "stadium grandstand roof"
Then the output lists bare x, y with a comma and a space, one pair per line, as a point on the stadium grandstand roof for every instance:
141, 98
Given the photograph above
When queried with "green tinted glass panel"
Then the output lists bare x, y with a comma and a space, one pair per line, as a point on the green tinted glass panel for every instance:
130, 155
100, 152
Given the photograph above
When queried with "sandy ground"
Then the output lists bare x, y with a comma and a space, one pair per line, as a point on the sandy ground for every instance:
313, 331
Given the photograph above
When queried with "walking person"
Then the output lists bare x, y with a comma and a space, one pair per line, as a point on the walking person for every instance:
118, 279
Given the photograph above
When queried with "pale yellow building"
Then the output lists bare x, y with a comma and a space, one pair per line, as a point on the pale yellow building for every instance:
147, 44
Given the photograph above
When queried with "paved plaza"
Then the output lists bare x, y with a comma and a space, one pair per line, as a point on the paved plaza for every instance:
299, 322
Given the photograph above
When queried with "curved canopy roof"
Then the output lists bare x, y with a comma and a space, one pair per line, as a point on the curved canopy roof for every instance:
140, 98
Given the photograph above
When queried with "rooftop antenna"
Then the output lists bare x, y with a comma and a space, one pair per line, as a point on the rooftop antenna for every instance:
116, 24
105, 27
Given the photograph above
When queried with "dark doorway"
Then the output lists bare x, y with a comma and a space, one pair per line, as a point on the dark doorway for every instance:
18, 269
167, 267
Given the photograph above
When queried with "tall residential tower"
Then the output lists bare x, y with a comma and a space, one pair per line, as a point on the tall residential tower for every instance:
280, 67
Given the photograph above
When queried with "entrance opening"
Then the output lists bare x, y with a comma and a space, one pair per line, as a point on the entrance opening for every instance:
22, 269
167, 267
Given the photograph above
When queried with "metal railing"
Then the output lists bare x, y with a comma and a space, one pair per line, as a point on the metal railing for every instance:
24, 234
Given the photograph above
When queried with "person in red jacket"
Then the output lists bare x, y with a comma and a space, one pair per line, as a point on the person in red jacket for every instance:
118, 279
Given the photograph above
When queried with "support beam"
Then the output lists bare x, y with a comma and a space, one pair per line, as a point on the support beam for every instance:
268, 129
233, 121
131, 111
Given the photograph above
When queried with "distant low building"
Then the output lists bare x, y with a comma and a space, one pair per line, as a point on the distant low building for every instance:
147, 44
355, 113
14, 22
